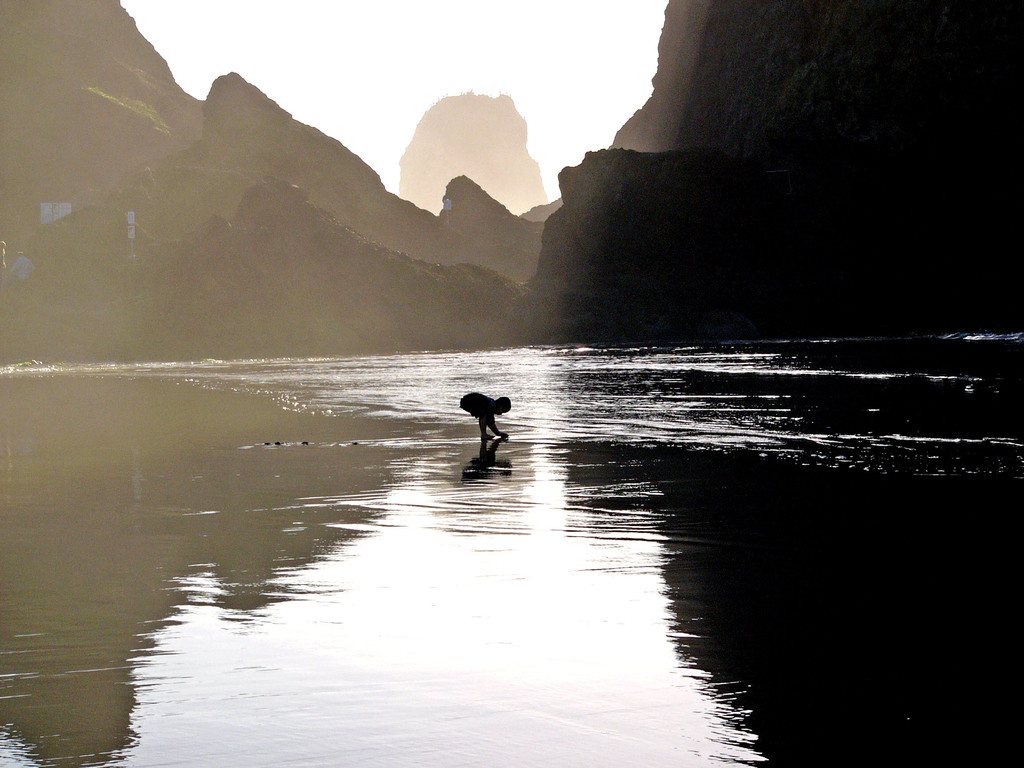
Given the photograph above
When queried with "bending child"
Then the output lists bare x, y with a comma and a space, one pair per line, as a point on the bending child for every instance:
484, 409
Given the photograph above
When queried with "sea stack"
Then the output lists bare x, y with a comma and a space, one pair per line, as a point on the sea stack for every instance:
482, 137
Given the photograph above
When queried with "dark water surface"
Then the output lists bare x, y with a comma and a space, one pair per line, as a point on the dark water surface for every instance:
781, 553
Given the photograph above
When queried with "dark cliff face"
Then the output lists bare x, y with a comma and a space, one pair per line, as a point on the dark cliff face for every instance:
692, 245
750, 77
653, 128
883, 125
674, 245
85, 99
472, 135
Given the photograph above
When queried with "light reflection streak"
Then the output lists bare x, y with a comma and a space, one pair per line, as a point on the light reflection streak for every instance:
493, 619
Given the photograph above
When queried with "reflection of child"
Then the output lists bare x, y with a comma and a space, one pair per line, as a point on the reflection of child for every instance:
486, 465
484, 408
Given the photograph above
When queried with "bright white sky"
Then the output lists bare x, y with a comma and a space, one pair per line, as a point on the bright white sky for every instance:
365, 72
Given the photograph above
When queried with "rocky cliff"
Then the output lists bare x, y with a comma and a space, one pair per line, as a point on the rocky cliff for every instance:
879, 130
750, 77
540, 213
115, 134
247, 137
472, 135
648, 246
510, 244
84, 99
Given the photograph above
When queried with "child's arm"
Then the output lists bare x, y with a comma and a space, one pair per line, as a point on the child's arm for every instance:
494, 427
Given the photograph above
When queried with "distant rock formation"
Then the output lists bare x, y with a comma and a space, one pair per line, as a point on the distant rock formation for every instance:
283, 277
509, 244
87, 299
278, 276
540, 213
248, 137
472, 135
85, 99
92, 116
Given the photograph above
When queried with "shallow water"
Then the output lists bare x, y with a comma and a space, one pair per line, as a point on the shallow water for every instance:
683, 556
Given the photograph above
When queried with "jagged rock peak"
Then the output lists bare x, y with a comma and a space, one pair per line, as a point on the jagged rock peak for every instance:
462, 190
514, 243
482, 137
233, 100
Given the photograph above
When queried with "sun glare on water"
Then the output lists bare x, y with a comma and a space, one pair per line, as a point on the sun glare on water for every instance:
466, 612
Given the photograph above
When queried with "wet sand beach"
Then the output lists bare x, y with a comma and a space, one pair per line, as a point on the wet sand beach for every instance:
194, 571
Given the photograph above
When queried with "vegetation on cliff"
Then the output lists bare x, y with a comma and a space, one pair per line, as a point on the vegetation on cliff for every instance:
85, 99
